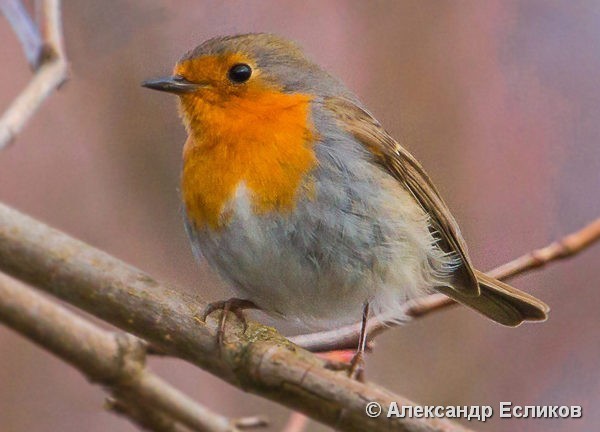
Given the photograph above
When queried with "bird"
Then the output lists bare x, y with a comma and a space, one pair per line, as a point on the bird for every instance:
302, 202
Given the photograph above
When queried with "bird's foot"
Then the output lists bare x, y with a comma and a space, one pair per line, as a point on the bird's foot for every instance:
234, 305
357, 367
350, 361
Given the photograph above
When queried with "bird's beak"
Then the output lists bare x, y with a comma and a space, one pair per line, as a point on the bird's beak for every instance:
172, 84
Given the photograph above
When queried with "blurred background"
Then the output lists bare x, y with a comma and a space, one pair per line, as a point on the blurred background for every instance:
500, 101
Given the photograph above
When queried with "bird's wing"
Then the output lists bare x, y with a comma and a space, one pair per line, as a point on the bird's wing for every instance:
405, 168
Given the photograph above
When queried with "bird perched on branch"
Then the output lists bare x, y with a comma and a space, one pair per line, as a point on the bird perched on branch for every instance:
299, 198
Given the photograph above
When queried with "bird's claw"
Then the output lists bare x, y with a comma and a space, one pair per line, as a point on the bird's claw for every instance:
354, 368
234, 305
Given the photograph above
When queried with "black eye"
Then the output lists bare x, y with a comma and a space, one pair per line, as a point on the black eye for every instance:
239, 73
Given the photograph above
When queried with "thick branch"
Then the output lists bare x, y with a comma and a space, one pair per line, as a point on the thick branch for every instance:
347, 337
257, 360
116, 361
51, 73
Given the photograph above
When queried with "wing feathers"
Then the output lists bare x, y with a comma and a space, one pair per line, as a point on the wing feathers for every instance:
405, 168
494, 299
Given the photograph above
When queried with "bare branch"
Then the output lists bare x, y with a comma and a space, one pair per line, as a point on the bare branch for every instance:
51, 73
245, 423
51, 25
255, 358
566, 247
347, 337
25, 29
116, 361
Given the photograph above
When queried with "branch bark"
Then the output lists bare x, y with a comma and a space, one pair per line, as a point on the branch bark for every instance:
347, 337
50, 74
114, 360
254, 358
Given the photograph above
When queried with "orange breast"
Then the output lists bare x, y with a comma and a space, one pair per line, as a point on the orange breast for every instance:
261, 140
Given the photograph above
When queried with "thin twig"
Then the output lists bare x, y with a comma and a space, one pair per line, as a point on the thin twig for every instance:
51, 73
566, 247
253, 357
25, 29
115, 360
246, 423
51, 26
347, 337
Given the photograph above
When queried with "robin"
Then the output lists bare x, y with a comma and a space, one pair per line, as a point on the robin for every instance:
296, 195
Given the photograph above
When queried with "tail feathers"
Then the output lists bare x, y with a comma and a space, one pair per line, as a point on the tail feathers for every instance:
501, 302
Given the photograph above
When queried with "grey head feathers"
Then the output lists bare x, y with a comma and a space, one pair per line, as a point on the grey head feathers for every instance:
280, 61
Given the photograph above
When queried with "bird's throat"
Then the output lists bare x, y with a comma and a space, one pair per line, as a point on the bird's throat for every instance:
263, 141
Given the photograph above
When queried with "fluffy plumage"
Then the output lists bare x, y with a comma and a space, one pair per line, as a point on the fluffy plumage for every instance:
365, 223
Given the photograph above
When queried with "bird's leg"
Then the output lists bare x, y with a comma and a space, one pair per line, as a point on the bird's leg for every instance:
337, 360
235, 305
357, 364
